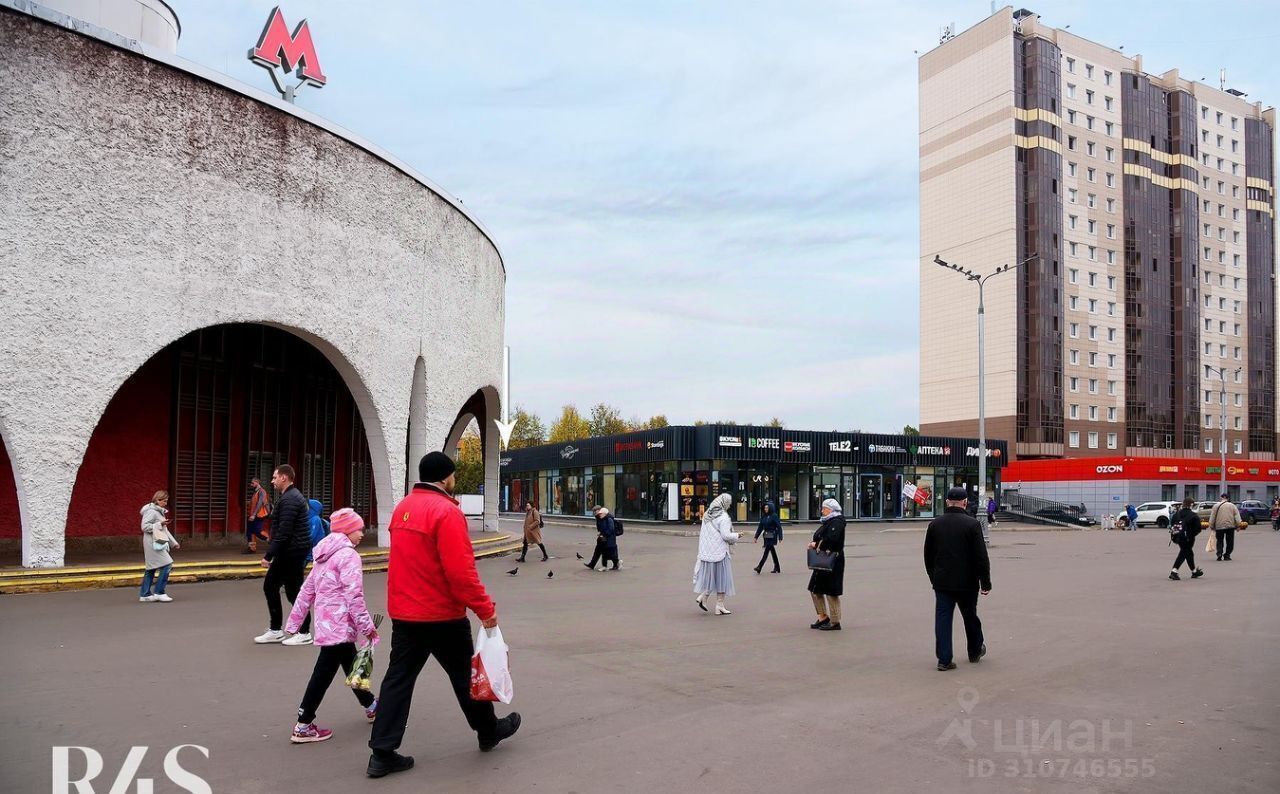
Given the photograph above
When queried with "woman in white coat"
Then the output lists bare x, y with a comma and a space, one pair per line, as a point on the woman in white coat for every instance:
713, 572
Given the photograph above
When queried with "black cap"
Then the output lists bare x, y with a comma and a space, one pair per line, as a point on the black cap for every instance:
957, 495
435, 467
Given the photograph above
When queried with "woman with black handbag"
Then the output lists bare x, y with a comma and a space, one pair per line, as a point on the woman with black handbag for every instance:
826, 558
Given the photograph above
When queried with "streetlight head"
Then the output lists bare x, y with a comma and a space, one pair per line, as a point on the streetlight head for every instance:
937, 260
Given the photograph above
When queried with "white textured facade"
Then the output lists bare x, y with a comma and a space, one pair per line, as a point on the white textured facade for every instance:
142, 198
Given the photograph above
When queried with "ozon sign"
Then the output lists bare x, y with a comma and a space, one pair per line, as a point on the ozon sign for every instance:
1109, 469
280, 52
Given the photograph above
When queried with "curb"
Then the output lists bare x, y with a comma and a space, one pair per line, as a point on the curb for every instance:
49, 580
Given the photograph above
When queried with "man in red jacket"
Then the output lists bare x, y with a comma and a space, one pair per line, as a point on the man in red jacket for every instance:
431, 583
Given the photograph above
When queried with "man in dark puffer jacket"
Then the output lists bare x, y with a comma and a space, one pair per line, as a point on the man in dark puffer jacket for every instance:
286, 558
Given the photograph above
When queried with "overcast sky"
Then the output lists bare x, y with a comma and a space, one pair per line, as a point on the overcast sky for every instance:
707, 208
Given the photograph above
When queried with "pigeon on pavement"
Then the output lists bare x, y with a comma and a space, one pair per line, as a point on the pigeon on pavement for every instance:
580, 555
550, 574
513, 572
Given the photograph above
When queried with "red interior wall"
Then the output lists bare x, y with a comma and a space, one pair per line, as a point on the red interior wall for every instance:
10, 521
128, 456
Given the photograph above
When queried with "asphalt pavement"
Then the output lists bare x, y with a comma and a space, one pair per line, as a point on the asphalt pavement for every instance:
1102, 675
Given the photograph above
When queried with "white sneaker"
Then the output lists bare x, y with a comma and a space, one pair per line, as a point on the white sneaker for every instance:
146, 599
161, 597
302, 638
269, 635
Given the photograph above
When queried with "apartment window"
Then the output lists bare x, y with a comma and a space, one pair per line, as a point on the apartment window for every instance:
1073, 438
1073, 275
1093, 359
1219, 141
1235, 189
1235, 214
1093, 277
1093, 385
1204, 136
1111, 281
1235, 237
1075, 411
1111, 257
1071, 91
1235, 147
1111, 414
1235, 283
1222, 327
1073, 302
1107, 103
1111, 179
1088, 97
1088, 70
1236, 331
1093, 252
1072, 220
1234, 120
1222, 209
1071, 117
1208, 348
1093, 226
1071, 169
1088, 122
1111, 387
1235, 169
1111, 205
1111, 308
1204, 112
1221, 187
1222, 351
1206, 205
1111, 231
1111, 155
1236, 374
1071, 142
1071, 195
1111, 440
1093, 413
1071, 248
1222, 257
1075, 384
1093, 439
1206, 396
1222, 303
1208, 444
1219, 114
1239, 425
1111, 334
1110, 129
1075, 356
1222, 233
1074, 330
1093, 332
1235, 261
1071, 67
1237, 400
1106, 78
1206, 183
1219, 163
1235, 307
1091, 174
1111, 360
1236, 354
1208, 231
1208, 421
1238, 447
1093, 306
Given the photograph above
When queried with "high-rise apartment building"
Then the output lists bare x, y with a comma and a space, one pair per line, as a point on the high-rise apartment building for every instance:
1145, 206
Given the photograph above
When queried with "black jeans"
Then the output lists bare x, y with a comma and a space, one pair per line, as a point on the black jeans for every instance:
291, 573
946, 603
524, 549
1186, 552
769, 548
1226, 539
603, 551
411, 644
327, 663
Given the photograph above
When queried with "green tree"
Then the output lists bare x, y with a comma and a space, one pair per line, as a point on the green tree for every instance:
528, 431
569, 427
606, 421
909, 430
655, 422
776, 422
470, 460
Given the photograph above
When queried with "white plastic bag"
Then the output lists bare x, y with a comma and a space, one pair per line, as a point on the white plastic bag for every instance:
490, 674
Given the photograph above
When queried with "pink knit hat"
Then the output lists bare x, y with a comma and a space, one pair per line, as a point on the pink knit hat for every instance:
345, 521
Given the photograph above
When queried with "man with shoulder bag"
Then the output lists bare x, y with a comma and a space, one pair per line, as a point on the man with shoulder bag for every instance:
1183, 532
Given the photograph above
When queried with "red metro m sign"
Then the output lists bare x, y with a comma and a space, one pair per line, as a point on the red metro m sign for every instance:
281, 52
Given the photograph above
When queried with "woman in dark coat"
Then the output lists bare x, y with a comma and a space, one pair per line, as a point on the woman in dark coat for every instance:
771, 528
1184, 535
606, 540
826, 587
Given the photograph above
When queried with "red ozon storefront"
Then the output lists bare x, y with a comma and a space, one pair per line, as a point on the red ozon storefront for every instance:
1106, 485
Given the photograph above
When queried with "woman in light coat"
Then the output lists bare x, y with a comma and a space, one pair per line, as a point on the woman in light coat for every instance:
156, 543
532, 532
826, 587
713, 572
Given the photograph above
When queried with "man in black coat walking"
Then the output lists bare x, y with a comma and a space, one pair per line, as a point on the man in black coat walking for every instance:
955, 557
286, 557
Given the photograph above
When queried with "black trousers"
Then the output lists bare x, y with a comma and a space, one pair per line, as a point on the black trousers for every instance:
327, 663
769, 548
289, 572
603, 551
946, 603
1226, 539
524, 549
411, 644
1187, 553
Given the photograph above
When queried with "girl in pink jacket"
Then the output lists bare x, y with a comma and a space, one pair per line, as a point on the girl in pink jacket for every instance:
336, 588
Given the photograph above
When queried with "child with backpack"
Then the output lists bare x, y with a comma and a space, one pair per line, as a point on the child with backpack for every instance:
335, 588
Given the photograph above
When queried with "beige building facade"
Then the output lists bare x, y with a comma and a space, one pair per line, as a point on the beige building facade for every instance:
1143, 208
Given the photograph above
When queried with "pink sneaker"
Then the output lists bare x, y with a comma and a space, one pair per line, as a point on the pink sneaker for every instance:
371, 713
309, 734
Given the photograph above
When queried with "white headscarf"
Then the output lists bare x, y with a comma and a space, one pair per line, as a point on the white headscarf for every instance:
834, 506
718, 505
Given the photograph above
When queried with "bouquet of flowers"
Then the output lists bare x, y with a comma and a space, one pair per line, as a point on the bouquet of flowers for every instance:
362, 669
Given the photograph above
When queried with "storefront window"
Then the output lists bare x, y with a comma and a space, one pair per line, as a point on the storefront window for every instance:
788, 496
573, 494
695, 489
825, 485
632, 500
921, 504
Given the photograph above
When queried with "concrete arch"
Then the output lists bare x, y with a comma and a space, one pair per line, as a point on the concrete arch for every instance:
484, 406
416, 437
40, 548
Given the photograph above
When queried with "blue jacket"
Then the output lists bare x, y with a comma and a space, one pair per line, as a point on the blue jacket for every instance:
769, 521
1132, 513
609, 531
318, 526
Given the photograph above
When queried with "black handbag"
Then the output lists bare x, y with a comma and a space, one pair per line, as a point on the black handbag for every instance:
820, 560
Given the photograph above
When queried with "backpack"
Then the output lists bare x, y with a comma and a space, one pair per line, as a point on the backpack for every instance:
617, 527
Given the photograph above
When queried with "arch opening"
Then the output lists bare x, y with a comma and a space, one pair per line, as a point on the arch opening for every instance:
205, 414
10, 511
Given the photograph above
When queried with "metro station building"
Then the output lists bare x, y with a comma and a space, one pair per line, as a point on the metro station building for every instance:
673, 473
201, 281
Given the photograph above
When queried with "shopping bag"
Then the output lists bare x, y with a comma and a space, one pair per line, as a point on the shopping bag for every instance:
1212, 543
490, 675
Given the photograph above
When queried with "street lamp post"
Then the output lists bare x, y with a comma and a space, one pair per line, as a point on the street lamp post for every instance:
981, 281
1222, 431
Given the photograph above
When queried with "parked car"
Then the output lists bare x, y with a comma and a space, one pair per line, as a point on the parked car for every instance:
1253, 511
1065, 516
1158, 513
1204, 510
